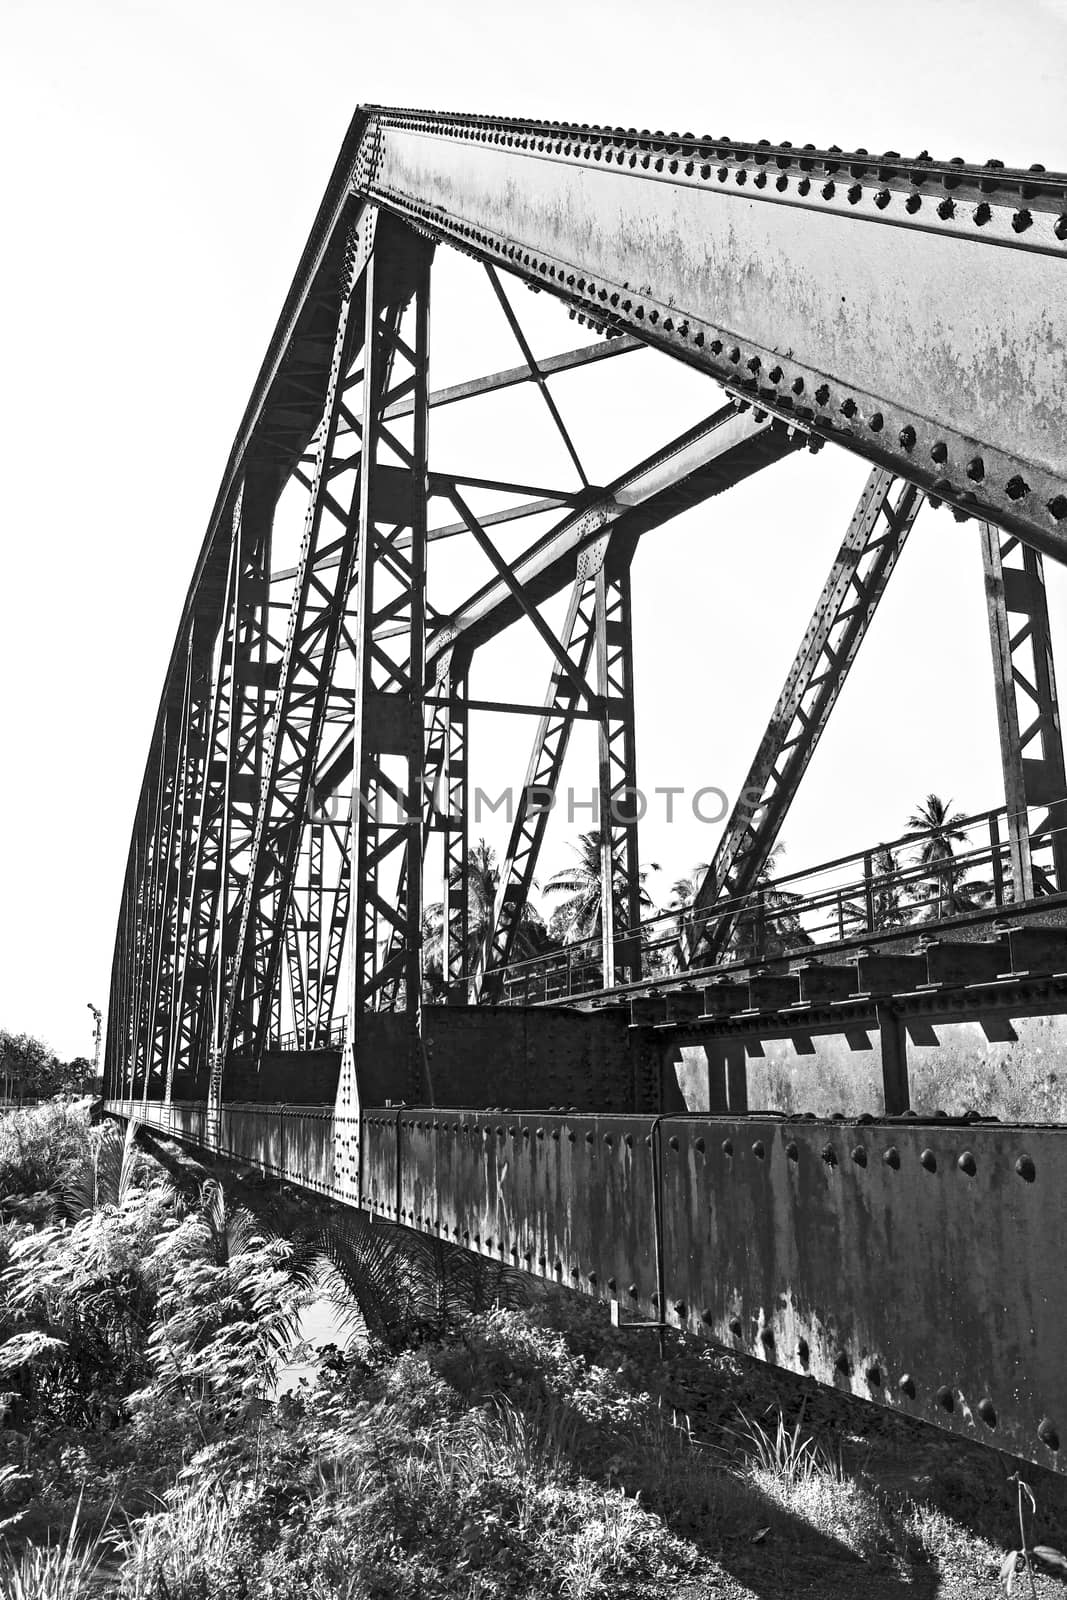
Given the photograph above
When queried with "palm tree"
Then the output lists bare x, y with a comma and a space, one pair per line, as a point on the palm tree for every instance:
885, 910
683, 892
578, 918
768, 925
483, 881
944, 830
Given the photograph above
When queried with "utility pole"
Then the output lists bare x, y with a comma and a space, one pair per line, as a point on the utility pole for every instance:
97, 1016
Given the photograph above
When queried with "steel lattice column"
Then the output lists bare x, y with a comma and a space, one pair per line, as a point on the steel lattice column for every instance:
1031, 744
303, 936
189, 1038
305, 688
855, 585
620, 872
325, 1000
537, 798
390, 631
435, 786
193, 775
240, 750
456, 954
307, 1024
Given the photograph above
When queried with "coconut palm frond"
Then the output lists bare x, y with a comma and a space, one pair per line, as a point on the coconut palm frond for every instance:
231, 1230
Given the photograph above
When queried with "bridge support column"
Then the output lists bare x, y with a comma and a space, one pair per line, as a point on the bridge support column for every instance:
620, 870
246, 680
1028, 718
390, 639
893, 1036
456, 951
538, 793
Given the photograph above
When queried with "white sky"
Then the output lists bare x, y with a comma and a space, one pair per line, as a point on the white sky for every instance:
162, 164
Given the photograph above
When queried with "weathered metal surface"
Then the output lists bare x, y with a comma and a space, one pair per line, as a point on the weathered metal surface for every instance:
844, 611
916, 1266
1028, 714
913, 341
566, 1198
377, 1163
729, 446
284, 1141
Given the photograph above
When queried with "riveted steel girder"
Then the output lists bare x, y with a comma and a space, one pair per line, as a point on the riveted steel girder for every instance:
620, 871
907, 310
388, 787
1028, 716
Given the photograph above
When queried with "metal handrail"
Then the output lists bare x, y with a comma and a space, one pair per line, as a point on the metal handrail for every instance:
830, 913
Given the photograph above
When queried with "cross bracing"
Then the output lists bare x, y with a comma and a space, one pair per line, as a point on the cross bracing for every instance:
310, 770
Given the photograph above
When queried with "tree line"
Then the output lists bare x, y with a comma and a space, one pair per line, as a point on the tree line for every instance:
31, 1070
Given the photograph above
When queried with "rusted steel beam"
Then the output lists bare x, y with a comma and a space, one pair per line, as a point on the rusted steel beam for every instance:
538, 792
726, 448
545, 367
1028, 715
854, 586
302, 699
858, 292
388, 790
620, 865
913, 1265
794, 1242
456, 910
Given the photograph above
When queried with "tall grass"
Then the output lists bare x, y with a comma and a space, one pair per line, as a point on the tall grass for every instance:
804, 1478
70, 1569
42, 1148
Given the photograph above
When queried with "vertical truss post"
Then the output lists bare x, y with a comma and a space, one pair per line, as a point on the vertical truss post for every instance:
857, 580
192, 780
295, 957
1031, 744
436, 788
620, 872
304, 935
456, 955
304, 679
313, 945
390, 647
893, 1037
324, 1001
250, 677
551, 739
188, 1037
147, 914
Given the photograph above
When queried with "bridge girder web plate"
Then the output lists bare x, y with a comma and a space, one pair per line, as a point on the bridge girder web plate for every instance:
864, 301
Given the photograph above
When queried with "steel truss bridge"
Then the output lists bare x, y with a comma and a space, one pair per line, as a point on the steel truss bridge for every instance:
309, 760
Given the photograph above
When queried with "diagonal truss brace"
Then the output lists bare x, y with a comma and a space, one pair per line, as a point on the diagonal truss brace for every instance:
880, 525
1031, 744
537, 798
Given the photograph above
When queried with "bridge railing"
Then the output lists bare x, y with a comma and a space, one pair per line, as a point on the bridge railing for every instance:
911, 883
331, 1037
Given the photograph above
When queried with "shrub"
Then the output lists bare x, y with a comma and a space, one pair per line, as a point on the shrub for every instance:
41, 1148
